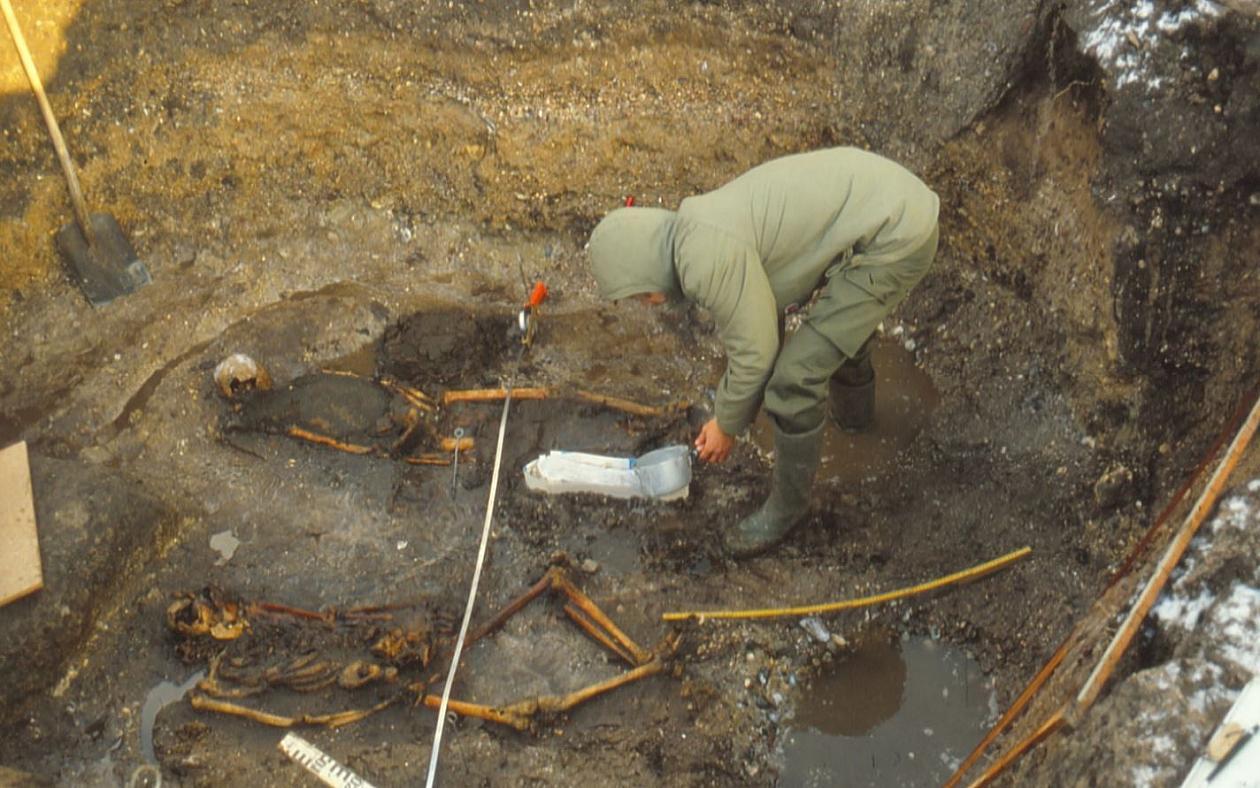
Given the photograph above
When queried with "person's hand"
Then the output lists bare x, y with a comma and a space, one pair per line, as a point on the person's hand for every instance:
712, 443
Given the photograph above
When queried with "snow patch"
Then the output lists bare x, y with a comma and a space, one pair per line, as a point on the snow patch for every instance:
1182, 612
1238, 617
1171, 672
1144, 775
1171, 23
1210, 692
1211, 697
1235, 513
1124, 33
1162, 745
1229, 619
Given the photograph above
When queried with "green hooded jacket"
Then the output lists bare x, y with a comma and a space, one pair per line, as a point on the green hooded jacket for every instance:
759, 246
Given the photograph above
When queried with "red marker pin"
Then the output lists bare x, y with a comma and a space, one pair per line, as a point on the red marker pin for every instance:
537, 295
630, 201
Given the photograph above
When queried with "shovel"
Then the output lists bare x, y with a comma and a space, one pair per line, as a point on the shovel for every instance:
99, 255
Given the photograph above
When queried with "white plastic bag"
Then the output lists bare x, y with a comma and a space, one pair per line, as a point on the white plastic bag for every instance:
664, 474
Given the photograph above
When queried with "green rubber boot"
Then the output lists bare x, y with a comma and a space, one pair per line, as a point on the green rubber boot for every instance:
853, 392
795, 463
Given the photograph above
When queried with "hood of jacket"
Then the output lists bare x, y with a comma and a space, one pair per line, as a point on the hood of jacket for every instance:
632, 252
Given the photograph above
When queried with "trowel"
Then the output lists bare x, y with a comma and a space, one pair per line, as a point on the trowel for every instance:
526, 326
100, 257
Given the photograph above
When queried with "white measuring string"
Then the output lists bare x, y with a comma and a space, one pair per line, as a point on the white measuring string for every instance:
472, 593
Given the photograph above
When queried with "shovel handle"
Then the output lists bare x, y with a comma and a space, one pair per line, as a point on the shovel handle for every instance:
72, 180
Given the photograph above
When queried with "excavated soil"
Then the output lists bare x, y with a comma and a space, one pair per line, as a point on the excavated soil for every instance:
371, 187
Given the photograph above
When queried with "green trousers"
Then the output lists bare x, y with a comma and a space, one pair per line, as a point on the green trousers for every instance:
855, 298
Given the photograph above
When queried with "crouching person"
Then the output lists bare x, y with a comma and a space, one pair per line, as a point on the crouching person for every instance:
854, 227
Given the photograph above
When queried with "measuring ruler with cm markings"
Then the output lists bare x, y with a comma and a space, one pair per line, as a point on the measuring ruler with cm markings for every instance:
311, 758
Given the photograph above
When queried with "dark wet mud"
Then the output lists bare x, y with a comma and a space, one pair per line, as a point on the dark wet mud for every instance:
905, 398
894, 711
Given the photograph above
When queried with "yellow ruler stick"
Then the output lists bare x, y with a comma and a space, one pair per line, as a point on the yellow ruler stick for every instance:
849, 604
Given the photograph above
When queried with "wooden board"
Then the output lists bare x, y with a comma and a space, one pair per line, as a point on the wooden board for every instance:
20, 571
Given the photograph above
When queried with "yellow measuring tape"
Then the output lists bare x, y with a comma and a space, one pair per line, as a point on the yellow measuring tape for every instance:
849, 604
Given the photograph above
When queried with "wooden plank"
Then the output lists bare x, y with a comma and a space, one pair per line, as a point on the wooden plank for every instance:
20, 571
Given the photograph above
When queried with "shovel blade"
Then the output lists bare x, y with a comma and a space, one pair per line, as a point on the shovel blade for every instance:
104, 270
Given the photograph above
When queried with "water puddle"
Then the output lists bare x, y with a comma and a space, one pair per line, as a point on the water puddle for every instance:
361, 362
892, 713
904, 398
159, 698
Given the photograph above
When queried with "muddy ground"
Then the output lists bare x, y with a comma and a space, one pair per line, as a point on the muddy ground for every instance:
303, 180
